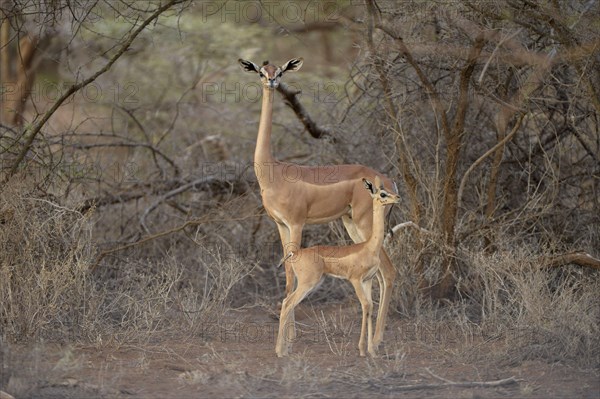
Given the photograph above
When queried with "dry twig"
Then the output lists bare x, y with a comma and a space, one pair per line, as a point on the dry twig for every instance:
291, 99
578, 258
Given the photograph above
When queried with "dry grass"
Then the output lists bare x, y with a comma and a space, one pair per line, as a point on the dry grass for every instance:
542, 314
178, 295
536, 313
47, 289
45, 253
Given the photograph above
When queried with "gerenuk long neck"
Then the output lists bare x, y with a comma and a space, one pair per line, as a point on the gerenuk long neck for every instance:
376, 240
262, 153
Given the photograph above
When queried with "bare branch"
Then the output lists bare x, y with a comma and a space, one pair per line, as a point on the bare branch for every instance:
292, 101
155, 151
131, 194
489, 152
35, 129
578, 258
404, 51
467, 384
397, 227
406, 167
170, 194
400, 226
193, 222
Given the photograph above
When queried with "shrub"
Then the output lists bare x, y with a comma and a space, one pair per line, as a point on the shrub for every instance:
45, 254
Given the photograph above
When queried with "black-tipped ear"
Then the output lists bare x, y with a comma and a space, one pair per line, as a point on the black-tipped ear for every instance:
249, 66
292, 65
369, 186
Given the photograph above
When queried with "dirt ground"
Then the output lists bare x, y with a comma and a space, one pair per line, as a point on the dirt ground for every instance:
234, 357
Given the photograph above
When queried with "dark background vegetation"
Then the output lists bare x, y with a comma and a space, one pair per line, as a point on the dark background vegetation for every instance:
128, 204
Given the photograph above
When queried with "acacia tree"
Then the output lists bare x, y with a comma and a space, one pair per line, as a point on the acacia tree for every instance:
477, 96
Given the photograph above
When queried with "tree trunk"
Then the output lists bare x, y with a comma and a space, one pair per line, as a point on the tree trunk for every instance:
450, 187
5, 75
15, 90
